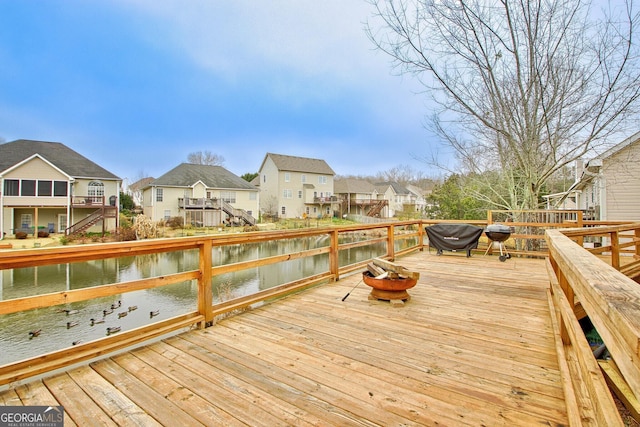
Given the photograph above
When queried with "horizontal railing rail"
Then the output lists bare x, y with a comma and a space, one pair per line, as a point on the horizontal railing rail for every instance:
205, 311
584, 282
90, 201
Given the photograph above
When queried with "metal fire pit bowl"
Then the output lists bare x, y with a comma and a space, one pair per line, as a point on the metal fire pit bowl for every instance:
388, 289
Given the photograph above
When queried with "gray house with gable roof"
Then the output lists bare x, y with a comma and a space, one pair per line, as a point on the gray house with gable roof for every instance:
48, 186
204, 195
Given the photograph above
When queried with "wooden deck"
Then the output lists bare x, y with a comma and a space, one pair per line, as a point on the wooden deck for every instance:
474, 346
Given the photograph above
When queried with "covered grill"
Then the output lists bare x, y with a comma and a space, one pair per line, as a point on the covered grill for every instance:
453, 237
498, 233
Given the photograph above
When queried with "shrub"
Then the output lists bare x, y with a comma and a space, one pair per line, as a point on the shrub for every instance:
126, 234
175, 222
43, 233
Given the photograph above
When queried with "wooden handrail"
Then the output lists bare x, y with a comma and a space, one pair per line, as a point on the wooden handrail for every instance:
205, 311
609, 298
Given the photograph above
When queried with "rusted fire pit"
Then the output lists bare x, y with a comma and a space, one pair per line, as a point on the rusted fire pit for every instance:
389, 289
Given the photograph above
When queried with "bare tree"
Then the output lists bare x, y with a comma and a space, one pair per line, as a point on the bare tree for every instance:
205, 158
521, 88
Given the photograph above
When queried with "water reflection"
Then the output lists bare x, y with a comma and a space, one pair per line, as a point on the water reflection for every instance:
53, 329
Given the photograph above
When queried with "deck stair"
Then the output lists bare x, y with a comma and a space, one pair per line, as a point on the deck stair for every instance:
377, 207
237, 213
92, 219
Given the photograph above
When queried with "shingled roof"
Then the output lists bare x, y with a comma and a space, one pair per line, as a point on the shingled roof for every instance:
59, 155
299, 164
188, 174
352, 185
397, 187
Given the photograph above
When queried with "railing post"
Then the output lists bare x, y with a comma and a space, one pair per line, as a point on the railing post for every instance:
205, 293
421, 235
636, 255
391, 247
334, 264
568, 292
580, 224
615, 250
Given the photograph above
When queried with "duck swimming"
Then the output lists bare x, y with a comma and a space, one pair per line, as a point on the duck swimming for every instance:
113, 329
154, 313
72, 324
121, 315
96, 321
34, 333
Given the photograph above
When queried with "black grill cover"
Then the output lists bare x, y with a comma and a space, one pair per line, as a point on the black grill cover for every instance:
454, 237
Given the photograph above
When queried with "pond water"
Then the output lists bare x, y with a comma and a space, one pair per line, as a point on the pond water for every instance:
66, 325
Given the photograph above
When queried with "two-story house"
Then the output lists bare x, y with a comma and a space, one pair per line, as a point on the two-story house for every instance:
360, 198
296, 187
608, 187
48, 186
396, 194
203, 195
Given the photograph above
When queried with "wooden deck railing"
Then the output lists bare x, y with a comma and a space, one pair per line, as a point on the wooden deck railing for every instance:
611, 300
205, 312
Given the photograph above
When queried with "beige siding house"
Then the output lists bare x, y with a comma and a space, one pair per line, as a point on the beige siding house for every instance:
296, 187
360, 198
609, 186
202, 195
397, 196
48, 186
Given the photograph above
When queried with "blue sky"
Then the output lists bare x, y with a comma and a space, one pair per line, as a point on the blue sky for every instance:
137, 85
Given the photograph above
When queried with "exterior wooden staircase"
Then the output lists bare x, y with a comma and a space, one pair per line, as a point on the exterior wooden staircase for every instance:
237, 213
95, 217
377, 207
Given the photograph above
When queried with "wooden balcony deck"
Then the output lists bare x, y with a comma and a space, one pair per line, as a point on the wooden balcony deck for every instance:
474, 346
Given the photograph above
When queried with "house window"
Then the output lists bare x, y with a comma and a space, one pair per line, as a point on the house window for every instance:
307, 210
60, 188
322, 179
28, 187
167, 214
303, 178
44, 188
26, 220
253, 196
287, 177
284, 210
287, 194
228, 196
96, 191
299, 194
11, 187
159, 194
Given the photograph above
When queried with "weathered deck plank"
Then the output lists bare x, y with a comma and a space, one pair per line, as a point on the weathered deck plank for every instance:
473, 346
